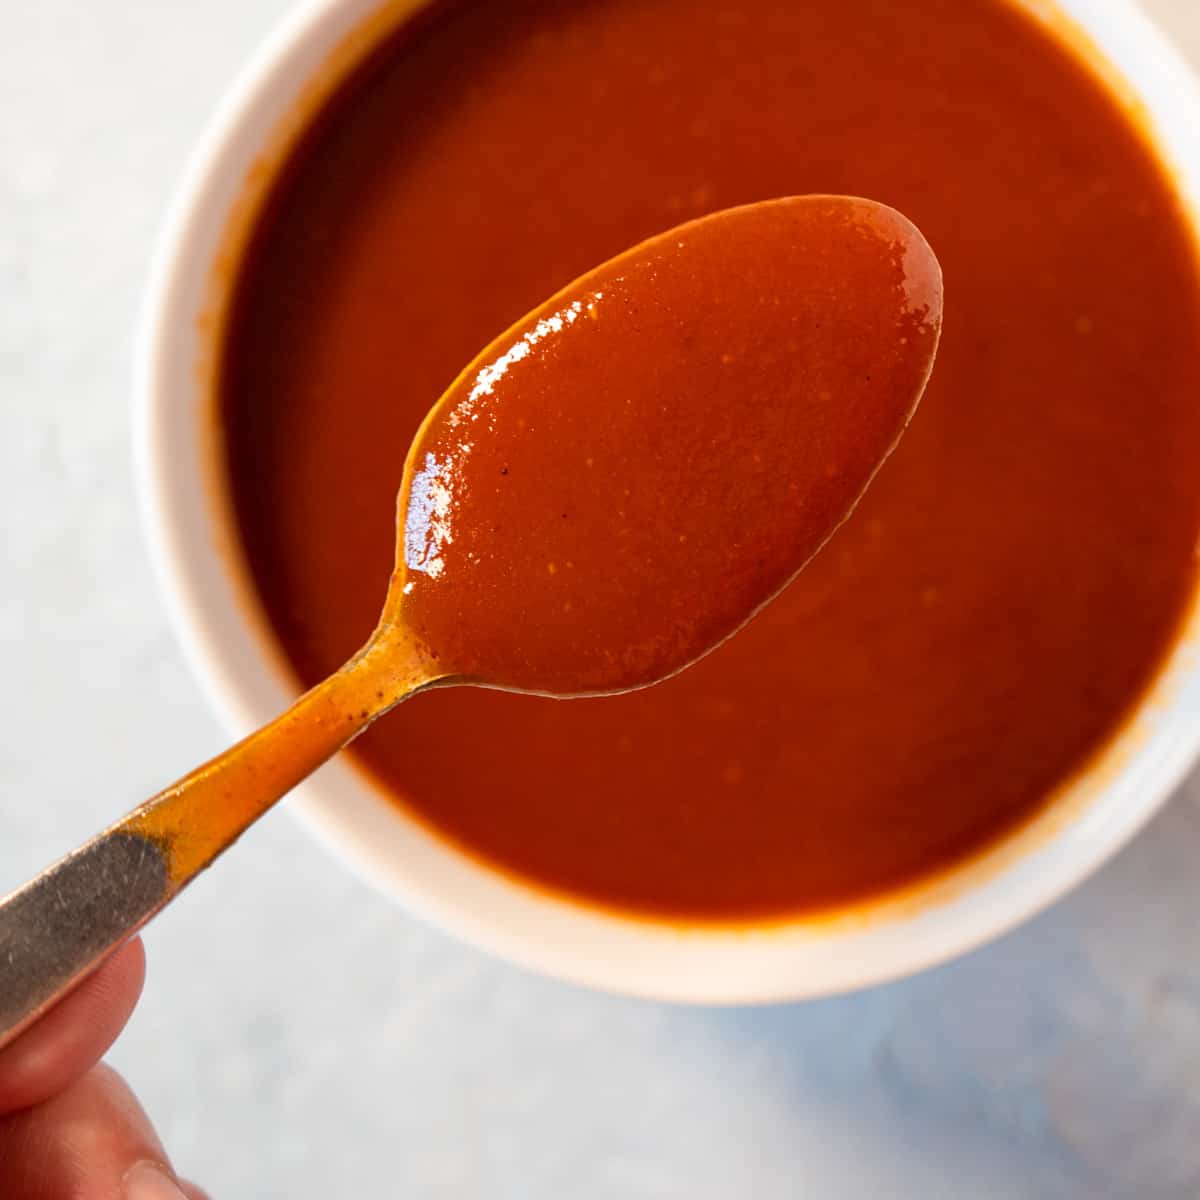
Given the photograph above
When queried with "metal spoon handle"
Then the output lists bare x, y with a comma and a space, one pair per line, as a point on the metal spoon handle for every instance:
61, 925
64, 923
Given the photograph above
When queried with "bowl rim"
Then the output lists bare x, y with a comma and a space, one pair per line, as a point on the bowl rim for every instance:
246, 681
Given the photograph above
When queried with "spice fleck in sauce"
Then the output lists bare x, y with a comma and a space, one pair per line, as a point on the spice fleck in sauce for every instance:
987, 617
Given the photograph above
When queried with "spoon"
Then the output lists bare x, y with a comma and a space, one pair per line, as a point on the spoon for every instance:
608, 491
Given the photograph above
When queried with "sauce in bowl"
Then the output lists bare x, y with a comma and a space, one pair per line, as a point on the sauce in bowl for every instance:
985, 620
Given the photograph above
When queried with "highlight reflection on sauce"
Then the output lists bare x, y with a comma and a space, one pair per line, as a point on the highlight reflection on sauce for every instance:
430, 499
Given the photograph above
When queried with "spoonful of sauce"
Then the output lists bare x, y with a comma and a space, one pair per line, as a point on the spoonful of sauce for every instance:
608, 491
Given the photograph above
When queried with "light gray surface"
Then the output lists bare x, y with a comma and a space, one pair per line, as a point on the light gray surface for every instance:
1062, 1062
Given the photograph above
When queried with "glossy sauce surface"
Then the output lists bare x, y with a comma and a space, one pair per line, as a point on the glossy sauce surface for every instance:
991, 611
631, 472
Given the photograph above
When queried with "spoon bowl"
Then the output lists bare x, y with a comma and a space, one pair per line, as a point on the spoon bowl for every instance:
623, 478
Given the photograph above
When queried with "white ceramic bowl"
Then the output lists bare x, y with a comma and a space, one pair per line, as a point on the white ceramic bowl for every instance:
232, 653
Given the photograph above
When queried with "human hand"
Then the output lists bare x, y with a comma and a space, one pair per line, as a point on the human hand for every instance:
70, 1128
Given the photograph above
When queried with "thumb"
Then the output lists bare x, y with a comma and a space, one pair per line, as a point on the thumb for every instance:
90, 1142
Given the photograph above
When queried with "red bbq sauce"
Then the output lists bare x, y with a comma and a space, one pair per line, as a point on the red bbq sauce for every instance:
971, 636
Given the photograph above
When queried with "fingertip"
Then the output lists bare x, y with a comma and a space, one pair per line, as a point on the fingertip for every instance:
121, 978
131, 958
75, 1033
